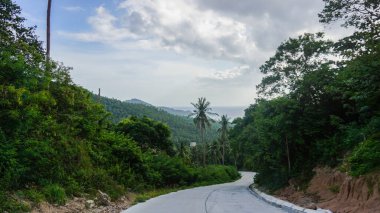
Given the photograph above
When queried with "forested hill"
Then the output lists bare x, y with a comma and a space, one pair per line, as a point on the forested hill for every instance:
175, 111
183, 129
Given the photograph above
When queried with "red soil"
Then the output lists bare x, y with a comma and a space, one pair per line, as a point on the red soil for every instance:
337, 191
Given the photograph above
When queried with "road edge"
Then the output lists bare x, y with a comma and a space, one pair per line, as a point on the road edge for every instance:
287, 206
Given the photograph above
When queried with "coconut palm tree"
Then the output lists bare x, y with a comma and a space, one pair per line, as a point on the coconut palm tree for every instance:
223, 130
202, 120
48, 30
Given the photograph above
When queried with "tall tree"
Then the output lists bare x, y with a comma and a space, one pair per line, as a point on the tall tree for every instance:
364, 16
202, 120
293, 59
223, 130
361, 14
48, 30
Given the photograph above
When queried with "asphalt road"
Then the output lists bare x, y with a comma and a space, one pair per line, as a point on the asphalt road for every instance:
223, 198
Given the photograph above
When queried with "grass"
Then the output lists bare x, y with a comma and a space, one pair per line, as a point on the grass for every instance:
55, 194
25, 199
146, 195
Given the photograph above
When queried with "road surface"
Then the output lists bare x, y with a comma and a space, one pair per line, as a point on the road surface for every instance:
223, 198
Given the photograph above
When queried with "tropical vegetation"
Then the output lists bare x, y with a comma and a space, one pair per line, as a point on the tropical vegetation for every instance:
319, 103
181, 127
56, 141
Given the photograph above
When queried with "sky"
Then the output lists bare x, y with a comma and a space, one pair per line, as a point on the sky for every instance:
170, 52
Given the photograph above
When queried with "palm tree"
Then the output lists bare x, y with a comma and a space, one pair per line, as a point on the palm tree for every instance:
223, 130
48, 30
202, 120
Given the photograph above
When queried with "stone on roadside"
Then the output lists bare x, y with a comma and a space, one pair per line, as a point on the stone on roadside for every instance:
90, 204
103, 199
311, 206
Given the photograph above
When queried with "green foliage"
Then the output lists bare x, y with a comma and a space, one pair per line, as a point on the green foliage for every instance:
34, 195
216, 174
294, 58
361, 14
55, 194
202, 120
168, 171
365, 157
201, 176
147, 133
317, 109
10, 204
56, 141
182, 128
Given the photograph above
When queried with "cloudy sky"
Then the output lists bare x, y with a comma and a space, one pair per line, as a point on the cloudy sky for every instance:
170, 52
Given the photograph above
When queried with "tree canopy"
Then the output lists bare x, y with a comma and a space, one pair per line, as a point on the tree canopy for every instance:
319, 103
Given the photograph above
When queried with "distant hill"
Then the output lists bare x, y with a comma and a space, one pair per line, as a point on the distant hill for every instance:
182, 128
138, 101
176, 111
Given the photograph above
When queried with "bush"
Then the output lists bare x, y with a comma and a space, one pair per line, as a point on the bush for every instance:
33, 195
167, 171
55, 194
214, 174
365, 157
9, 204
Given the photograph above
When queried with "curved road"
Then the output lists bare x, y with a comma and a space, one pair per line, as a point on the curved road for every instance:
223, 198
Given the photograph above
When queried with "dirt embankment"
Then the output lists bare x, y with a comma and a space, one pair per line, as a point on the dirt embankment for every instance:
82, 205
337, 191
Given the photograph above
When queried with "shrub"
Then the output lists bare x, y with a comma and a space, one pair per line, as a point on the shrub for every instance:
167, 171
55, 194
365, 157
34, 195
9, 204
213, 174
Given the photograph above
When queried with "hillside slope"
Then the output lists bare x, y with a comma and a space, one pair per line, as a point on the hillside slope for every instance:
337, 191
183, 129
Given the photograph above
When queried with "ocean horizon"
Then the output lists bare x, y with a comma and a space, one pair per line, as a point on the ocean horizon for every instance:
231, 112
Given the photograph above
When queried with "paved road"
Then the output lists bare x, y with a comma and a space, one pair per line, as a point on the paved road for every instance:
223, 198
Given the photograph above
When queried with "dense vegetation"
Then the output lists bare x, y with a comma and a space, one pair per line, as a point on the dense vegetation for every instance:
319, 102
182, 127
56, 141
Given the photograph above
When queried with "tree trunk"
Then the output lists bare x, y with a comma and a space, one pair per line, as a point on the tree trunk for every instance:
48, 31
223, 144
204, 147
287, 152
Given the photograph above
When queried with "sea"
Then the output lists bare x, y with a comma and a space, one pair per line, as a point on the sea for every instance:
231, 112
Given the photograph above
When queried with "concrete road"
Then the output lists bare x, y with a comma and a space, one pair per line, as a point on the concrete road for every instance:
223, 198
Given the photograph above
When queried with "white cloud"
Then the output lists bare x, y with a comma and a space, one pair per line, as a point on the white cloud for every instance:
104, 27
245, 32
227, 74
229, 38
73, 8
173, 25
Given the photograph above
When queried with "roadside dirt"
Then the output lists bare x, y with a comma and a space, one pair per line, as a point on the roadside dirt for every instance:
337, 191
78, 205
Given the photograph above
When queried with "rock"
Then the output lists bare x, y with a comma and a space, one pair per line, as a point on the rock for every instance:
311, 206
103, 199
90, 204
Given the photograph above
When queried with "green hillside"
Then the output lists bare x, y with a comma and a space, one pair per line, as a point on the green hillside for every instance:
57, 143
183, 129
